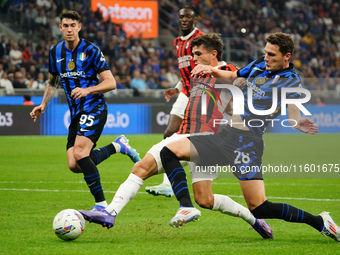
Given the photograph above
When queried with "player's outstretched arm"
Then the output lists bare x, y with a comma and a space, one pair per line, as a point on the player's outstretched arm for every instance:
303, 124
208, 69
50, 89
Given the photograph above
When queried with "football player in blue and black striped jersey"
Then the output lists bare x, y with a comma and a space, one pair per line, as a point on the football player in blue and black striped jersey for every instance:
76, 63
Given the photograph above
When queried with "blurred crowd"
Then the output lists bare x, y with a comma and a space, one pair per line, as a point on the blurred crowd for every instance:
141, 65
135, 63
313, 24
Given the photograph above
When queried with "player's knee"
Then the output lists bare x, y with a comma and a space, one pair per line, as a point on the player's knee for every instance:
78, 155
252, 205
142, 171
178, 151
206, 202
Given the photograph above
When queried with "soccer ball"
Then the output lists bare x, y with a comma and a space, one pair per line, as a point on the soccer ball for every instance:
68, 224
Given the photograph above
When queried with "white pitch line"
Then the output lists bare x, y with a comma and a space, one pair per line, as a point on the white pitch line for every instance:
238, 196
155, 183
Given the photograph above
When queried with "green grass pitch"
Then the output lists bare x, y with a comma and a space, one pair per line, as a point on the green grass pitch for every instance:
36, 184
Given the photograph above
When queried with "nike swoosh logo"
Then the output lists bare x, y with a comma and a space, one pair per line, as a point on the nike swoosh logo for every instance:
83, 130
58, 60
258, 69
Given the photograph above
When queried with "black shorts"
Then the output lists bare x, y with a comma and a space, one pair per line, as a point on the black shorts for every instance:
89, 124
241, 150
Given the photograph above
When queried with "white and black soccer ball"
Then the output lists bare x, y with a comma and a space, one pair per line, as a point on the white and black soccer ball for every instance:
68, 224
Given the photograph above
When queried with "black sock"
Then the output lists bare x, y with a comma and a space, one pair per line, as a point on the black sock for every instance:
92, 178
100, 154
177, 177
270, 210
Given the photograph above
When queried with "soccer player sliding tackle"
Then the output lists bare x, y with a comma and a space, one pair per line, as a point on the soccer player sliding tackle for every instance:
240, 145
207, 49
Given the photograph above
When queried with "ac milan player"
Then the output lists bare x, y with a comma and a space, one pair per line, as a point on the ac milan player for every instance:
187, 18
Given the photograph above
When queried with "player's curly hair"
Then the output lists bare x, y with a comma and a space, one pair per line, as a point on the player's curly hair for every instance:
67, 14
211, 41
284, 41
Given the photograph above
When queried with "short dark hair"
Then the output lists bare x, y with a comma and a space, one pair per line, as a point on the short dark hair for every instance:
284, 41
67, 14
210, 41
190, 7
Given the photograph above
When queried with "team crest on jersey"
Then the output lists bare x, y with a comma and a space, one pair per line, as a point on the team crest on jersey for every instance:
82, 56
71, 65
260, 80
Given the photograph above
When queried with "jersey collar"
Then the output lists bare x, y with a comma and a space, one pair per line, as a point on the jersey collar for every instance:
80, 40
221, 63
289, 68
189, 35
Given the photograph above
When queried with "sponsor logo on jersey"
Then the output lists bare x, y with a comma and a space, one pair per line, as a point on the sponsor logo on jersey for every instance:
184, 61
72, 74
257, 92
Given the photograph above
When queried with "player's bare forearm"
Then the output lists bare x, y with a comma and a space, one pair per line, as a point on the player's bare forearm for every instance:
108, 83
294, 115
103, 87
51, 87
217, 73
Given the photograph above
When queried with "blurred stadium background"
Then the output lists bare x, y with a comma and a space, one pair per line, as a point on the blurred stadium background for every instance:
139, 42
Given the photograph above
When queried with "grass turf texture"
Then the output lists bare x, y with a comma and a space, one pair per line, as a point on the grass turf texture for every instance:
36, 184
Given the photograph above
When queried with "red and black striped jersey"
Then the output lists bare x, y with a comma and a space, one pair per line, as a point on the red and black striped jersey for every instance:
185, 58
206, 104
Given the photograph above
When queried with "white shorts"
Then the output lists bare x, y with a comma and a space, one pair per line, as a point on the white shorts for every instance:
178, 108
195, 176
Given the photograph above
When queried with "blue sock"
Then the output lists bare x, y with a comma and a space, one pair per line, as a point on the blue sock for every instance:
177, 177
286, 212
92, 178
100, 154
